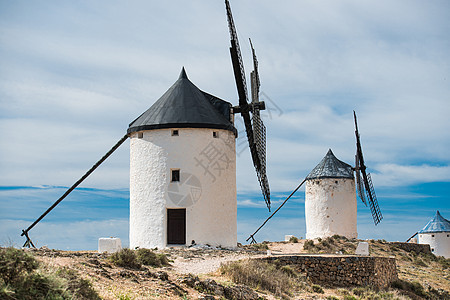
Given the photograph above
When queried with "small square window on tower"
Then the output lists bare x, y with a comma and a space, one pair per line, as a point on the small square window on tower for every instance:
175, 176
215, 134
175, 132
140, 135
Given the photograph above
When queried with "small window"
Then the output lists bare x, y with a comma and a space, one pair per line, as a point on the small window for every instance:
215, 134
175, 175
175, 132
432, 249
140, 135
432, 235
448, 235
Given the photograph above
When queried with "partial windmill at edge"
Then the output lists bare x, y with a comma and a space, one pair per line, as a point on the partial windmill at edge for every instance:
254, 126
364, 180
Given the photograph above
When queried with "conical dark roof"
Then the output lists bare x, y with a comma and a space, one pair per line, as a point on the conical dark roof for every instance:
437, 224
185, 106
331, 167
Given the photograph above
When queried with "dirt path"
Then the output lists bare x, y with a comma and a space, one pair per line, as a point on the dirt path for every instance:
204, 261
207, 263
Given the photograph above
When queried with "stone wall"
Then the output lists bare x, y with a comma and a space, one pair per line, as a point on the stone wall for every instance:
411, 247
342, 270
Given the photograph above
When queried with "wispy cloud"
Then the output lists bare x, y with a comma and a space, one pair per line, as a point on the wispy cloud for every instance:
397, 175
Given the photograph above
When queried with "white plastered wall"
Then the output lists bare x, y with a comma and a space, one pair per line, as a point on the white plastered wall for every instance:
330, 208
439, 242
208, 163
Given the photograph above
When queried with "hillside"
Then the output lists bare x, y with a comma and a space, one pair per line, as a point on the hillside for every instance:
196, 273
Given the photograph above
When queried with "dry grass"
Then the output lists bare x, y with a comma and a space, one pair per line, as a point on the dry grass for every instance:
419, 274
334, 244
257, 247
262, 275
134, 259
23, 277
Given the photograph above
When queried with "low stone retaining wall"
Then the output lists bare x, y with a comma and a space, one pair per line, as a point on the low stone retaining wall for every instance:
412, 247
342, 270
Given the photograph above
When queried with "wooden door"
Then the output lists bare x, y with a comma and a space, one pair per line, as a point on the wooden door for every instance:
176, 226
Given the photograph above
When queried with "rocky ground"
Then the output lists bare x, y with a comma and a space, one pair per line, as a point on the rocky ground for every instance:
193, 273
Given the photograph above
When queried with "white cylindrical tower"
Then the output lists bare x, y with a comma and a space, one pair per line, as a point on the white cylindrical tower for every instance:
183, 171
330, 200
437, 234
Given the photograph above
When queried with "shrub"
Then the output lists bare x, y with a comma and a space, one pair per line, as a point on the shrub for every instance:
149, 258
21, 278
80, 288
125, 258
259, 247
339, 237
413, 287
325, 244
259, 275
359, 291
444, 262
418, 262
308, 245
15, 264
293, 239
317, 289
289, 271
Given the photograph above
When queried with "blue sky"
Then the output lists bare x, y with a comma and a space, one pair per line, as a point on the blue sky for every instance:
73, 75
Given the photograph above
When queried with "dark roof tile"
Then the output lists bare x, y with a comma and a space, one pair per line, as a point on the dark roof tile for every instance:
331, 167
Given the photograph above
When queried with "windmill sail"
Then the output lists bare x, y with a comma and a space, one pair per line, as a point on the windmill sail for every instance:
366, 178
254, 127
359, 182
259, 130
373, 202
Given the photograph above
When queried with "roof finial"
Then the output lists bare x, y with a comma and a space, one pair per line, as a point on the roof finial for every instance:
183, 74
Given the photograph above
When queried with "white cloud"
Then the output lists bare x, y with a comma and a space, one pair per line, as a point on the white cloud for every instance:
400, 175
250, 203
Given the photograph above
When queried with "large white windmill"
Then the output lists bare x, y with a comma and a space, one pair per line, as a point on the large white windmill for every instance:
183, 162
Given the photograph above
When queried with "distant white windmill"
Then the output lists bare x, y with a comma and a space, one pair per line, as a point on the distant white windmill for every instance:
330, 196
436, 233
330, 199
